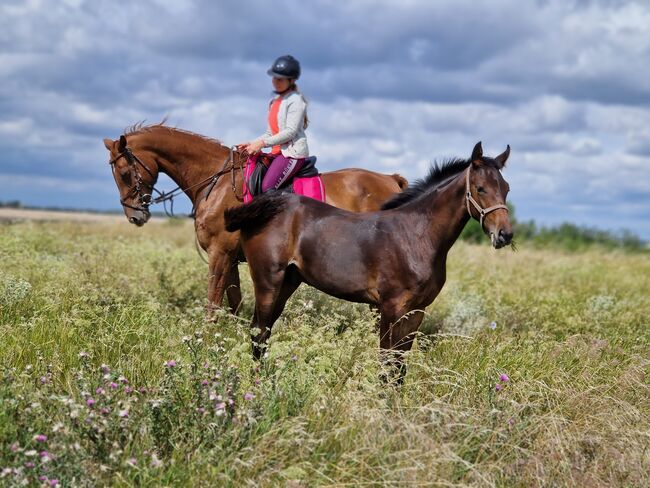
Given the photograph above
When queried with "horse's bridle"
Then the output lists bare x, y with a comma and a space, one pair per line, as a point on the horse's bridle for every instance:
133, 161
146, 199
470, 199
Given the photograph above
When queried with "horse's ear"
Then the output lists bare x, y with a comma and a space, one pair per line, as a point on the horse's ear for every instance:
122, 145
477, 153
109, 143
503, 157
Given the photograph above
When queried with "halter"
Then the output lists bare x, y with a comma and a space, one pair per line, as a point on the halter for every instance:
469, 199
146, 199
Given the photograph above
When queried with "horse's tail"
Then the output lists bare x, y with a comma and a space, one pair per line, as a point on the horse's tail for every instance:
255, 215
401, 181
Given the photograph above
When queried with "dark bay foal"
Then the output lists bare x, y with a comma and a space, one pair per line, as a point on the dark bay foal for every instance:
394, 259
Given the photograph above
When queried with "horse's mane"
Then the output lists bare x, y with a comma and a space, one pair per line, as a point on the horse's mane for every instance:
141, 127
438, 174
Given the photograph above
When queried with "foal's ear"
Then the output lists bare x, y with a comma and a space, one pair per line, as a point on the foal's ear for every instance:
122, 145
109, 143
477, 153
503, 157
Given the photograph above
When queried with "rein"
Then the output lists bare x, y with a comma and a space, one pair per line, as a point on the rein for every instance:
470, 199
146, 199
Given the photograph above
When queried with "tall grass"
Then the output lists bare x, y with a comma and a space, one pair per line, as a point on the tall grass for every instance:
111, 376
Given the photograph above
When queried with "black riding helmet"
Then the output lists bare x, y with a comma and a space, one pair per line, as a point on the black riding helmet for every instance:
285, 67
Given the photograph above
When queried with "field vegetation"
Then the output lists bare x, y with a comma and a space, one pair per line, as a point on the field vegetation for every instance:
531, 369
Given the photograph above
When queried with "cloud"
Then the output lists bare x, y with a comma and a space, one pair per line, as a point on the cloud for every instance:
392, 86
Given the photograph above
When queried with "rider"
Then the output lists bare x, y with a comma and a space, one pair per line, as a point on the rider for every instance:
287, 121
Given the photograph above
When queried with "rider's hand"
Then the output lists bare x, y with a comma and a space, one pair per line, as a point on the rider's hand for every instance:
255, 146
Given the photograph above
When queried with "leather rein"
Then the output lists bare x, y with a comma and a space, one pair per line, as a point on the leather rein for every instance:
145, 197
470, 199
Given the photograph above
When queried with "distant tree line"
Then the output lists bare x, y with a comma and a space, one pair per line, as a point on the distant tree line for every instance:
568, 236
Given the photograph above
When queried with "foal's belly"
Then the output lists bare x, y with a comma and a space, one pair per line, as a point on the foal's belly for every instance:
334, 258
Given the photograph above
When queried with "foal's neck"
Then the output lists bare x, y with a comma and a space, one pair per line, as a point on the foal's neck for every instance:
447, 213
186, 158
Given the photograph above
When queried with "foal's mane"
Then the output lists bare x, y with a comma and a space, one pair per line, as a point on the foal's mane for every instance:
140, 128
438, 174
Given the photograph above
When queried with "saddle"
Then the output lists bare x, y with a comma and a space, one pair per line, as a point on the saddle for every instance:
262, 165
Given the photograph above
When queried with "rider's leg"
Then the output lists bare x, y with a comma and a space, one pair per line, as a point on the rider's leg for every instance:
281, 169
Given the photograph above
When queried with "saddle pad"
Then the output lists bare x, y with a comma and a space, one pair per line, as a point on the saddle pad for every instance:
311, 186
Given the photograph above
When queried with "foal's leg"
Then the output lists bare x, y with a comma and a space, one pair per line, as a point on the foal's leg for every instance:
269, 304
397, 333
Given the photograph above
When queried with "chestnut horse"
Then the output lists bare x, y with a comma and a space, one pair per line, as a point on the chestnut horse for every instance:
394, 259
210, 175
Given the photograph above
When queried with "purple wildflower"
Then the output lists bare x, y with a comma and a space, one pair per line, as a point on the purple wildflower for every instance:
248, 396
105, 368
42, 478
105, 411
54, 482
99, 391
90, 402
220, 406
493, 325
128, 390
29, 464
113, 385
205, 382
497, 387
504, 378
40, 438
170, 364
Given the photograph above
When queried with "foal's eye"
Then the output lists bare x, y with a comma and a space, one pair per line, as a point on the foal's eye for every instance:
480, 189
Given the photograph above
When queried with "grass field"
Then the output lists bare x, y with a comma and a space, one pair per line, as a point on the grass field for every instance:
531, 370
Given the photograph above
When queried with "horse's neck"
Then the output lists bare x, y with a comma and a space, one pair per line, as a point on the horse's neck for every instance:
447, 205
189, 164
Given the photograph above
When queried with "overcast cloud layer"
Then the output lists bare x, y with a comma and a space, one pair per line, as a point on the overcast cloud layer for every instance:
392, 86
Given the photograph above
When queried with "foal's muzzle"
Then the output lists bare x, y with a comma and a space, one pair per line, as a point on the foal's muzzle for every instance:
501, 238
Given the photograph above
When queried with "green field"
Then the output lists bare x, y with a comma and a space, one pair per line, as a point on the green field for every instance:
111, 376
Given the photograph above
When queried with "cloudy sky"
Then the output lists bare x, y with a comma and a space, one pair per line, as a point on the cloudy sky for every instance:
392, 86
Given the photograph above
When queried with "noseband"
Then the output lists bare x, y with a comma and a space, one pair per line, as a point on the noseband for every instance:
133, 161
470, 199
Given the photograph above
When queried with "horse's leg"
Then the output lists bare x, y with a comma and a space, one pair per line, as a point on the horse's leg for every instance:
397, 333
219, 269
268, 307
233, 289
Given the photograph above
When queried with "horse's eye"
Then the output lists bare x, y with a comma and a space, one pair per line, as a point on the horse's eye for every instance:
480, 189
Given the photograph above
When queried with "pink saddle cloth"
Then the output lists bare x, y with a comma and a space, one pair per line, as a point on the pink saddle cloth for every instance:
311, 187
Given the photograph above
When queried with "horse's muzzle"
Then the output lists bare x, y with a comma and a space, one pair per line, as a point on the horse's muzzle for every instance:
501, 239
139, 218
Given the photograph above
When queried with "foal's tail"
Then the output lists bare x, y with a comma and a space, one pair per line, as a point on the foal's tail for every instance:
401, 181
255, 215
